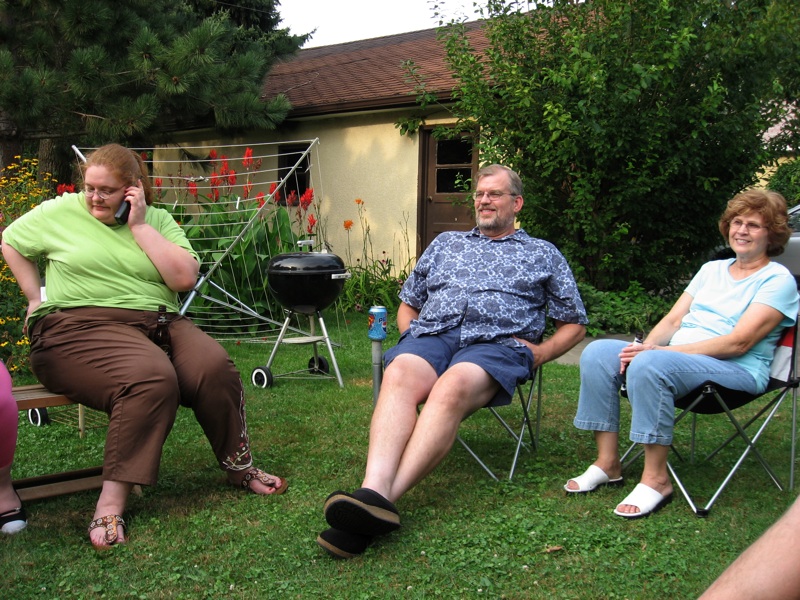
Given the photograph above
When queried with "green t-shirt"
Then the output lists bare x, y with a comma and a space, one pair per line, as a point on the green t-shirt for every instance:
89, 263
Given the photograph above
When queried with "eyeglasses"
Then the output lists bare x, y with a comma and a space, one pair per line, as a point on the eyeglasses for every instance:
748, 227
493, 195
104, 195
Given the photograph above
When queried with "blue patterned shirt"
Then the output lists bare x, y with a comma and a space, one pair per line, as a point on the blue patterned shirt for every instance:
492, 288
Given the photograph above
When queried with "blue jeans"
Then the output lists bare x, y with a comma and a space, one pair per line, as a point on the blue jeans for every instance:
655, 379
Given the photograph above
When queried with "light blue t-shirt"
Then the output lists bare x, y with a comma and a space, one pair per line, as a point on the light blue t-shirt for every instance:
719, 300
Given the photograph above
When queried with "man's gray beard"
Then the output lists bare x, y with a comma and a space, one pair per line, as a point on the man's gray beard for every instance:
492, 225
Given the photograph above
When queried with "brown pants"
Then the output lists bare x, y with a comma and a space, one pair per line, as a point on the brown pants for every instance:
103, 358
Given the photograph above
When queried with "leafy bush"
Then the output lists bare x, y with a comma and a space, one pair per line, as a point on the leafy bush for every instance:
623, 312
786, 181
20, 191
623, 119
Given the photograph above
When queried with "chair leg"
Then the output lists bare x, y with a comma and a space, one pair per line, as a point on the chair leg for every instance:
477, 458
750, 446
533, 433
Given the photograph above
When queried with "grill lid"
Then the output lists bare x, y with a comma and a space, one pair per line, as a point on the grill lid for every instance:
306, 282
306, 262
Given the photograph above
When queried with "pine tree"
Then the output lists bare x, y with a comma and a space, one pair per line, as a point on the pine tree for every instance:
94, 71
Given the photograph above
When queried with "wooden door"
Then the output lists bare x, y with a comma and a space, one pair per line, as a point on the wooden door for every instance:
446, 166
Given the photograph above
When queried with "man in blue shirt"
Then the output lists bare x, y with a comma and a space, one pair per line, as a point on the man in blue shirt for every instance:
472, 319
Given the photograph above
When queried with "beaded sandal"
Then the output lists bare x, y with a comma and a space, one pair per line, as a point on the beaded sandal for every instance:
111, 523
276, 483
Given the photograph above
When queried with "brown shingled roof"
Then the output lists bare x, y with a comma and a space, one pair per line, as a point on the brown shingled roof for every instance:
363, 75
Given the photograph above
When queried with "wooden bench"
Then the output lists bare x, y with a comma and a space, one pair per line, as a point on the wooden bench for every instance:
31, 488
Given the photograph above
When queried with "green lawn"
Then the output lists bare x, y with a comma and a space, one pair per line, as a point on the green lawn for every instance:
463, 535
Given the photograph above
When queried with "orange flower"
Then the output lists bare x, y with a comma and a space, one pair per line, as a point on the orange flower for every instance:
348, 224
359, 201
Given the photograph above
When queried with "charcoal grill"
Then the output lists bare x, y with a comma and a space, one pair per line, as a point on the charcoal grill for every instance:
304, 283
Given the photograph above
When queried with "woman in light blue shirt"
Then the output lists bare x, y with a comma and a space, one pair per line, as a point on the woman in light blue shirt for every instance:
724, 327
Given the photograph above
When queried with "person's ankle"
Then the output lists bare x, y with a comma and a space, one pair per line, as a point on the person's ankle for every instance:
9, 500
612, 468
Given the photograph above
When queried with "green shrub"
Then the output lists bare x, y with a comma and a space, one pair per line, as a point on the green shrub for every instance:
623, 312
20, 191
786, 181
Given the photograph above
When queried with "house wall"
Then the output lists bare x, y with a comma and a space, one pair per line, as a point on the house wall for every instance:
363, 157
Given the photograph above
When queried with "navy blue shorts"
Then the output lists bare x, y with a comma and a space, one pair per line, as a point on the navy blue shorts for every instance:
507, 365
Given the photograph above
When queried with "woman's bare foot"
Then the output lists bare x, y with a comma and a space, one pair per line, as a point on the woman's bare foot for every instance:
662, 486
258, 481
107, 527
107, 531
612, 469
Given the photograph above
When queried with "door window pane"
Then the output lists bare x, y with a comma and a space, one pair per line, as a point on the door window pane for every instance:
451, 180
454, 152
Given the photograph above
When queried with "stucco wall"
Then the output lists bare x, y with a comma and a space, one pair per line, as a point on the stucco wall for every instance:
365, 158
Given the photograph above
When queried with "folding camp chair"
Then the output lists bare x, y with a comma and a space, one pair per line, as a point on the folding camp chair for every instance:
526, 393
534, 388
712, 398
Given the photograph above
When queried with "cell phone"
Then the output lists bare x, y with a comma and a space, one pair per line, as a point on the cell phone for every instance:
122, 213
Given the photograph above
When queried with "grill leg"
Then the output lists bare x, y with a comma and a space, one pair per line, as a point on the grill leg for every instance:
330, 349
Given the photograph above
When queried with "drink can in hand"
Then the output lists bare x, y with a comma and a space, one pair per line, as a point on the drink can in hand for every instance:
377, 323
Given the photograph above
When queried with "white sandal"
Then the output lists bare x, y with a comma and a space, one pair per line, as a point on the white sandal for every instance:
646, 499
591, 479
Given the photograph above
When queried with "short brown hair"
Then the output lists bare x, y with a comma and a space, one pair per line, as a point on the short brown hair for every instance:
772, 208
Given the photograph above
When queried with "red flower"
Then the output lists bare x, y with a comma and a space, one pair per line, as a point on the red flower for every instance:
224, 168
158, 182
63, 188
246, 188
193, 188
274, 192
231, 178
215, 179
311, 223
307, 198
348, 224
261, 199
291, 199
247, 161
212, 154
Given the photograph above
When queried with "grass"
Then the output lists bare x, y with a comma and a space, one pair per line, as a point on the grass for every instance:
463, 535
